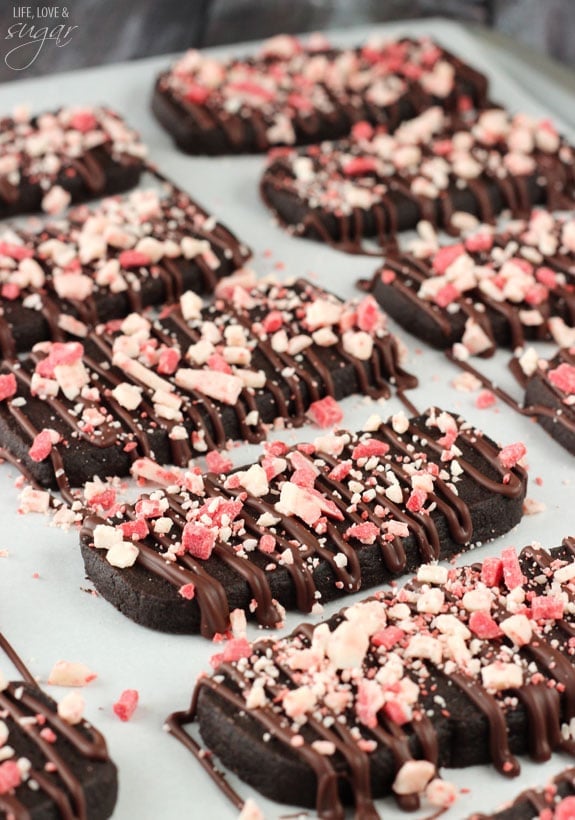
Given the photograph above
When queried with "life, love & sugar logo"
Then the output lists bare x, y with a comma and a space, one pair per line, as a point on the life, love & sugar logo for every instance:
33, 29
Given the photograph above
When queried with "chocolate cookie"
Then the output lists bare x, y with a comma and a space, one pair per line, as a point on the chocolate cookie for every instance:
492, 289
70, 155
103, 262
190, 381
293, 93
550, 395
432, 168
305, 526
556, 801
462, 666
54, 763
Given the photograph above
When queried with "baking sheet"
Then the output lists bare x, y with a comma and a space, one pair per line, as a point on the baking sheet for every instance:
46, 608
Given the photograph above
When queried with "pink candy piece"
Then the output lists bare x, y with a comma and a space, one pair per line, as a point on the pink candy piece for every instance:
512, 575
368, 314
126, 704
83, 121
565, 810
134, 259
15, 251
416, 500
10, 776
358, 166
366, 532
387, 637
371, 447
485, 399
325, 412
217, 463
187, 591
41, 446
510, 455
446, 295
483, 625
234, 650
446, 256
168, 361
546, 607
563, 377
198, 540
8, 386
492, 571
134, 530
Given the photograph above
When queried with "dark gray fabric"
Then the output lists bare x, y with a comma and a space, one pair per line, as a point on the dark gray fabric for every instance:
114, 30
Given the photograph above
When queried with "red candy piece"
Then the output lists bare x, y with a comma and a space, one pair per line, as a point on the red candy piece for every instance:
253, 89
483, 625
368, 314
362, 131
446, 256
267, 543
10, 777
510, 455
388, 276
358, 166
371, 447
396, 712
340, 471
217, 463
565, 810
10, 291
492, 571
198, 540
15, 251
479, 242
416, 500
366, 533
83, 121
134, 259
273, 321
8, 386
485, 399
135, 530
196, 94
387, 637
218, 363
325, 412
41, 446
187, 591
547, 607
106, 499
563, 377
512, 575
148, 508
168, 360
126, 704
546, 276
446, 295
234, 650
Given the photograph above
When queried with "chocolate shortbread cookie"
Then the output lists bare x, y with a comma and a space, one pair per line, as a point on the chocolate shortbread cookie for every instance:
490, 290
69, 155
55, 765
305, 525
462, 666
294, 93
191, 380
432, 167
103, 262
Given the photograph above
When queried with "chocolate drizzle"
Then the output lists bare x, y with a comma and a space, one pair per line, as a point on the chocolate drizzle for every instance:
174, 220
274, 667
301, 109
26, 711
314, 192
334, 546
508, 307
288, 384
